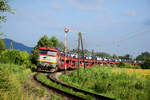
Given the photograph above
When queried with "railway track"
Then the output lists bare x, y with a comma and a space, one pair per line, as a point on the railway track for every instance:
53, 78
68, 95
59, 91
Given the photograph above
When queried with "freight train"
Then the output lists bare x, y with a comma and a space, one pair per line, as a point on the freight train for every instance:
51, 60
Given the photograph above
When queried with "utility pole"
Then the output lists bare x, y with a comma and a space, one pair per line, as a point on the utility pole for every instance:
80, 41
11, 45
78, 64
82, 51
92, 52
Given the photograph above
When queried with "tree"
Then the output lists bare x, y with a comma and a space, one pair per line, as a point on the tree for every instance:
143, 56
146, 64
120, 57
55, 41
44, 41
102, 54
114, 56
86, 52
4, 7
2, 45
1, 34
61, 46
127, 57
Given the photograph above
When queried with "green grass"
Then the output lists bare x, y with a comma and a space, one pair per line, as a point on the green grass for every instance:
15, 83
10, 81
43, 78
54, 97
103, 81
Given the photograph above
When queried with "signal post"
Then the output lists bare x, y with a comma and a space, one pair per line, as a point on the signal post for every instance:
66, 38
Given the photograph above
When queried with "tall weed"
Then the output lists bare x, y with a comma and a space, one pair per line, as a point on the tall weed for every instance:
13, 80
101, 79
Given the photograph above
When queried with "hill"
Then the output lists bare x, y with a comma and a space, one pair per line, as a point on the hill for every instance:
17, 45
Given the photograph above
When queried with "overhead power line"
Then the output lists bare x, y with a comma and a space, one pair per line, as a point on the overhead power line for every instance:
134, 36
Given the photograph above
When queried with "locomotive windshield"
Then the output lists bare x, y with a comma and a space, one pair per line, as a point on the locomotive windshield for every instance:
43, 52
53, 53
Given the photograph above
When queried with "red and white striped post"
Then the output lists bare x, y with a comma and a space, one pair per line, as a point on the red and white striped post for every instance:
66, 38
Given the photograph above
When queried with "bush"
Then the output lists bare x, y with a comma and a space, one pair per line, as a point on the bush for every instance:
2, 45
121, 64
15, 57
34, 56
146, 64
125, 65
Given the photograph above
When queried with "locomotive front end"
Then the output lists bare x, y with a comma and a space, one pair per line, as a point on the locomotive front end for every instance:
47, 59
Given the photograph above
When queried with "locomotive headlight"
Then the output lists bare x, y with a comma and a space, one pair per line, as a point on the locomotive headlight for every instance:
53, 65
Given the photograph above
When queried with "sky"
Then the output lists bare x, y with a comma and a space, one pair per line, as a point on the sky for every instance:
112, 26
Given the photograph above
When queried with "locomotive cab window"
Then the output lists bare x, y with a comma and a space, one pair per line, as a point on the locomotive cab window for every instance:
53, 53
43, 52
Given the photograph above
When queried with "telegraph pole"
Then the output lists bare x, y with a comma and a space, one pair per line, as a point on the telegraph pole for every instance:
92, 52
11, 45
78, 64
82, 51
80, 41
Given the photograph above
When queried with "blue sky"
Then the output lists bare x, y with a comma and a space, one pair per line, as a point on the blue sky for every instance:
113, 26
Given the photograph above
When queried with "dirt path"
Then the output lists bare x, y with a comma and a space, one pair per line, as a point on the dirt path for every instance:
48, 91
57, 75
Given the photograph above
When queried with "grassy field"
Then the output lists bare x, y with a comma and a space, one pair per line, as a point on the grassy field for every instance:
121, 84
139, 72
15, 84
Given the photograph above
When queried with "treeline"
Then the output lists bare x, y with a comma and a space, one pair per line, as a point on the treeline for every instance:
143, 56
23, 58
13, 56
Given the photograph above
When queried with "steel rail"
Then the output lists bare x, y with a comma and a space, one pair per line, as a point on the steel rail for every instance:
97, 96
59, 91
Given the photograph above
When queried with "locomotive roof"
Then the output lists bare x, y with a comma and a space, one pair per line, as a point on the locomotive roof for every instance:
48, 48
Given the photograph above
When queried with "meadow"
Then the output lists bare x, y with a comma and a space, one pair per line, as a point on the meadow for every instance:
118, 83
139, 72
15, 84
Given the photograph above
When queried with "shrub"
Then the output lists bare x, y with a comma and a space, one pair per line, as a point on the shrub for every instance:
121, 64
137, 67
34, 56
15, 57
146, 64
2, 45
125, 65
